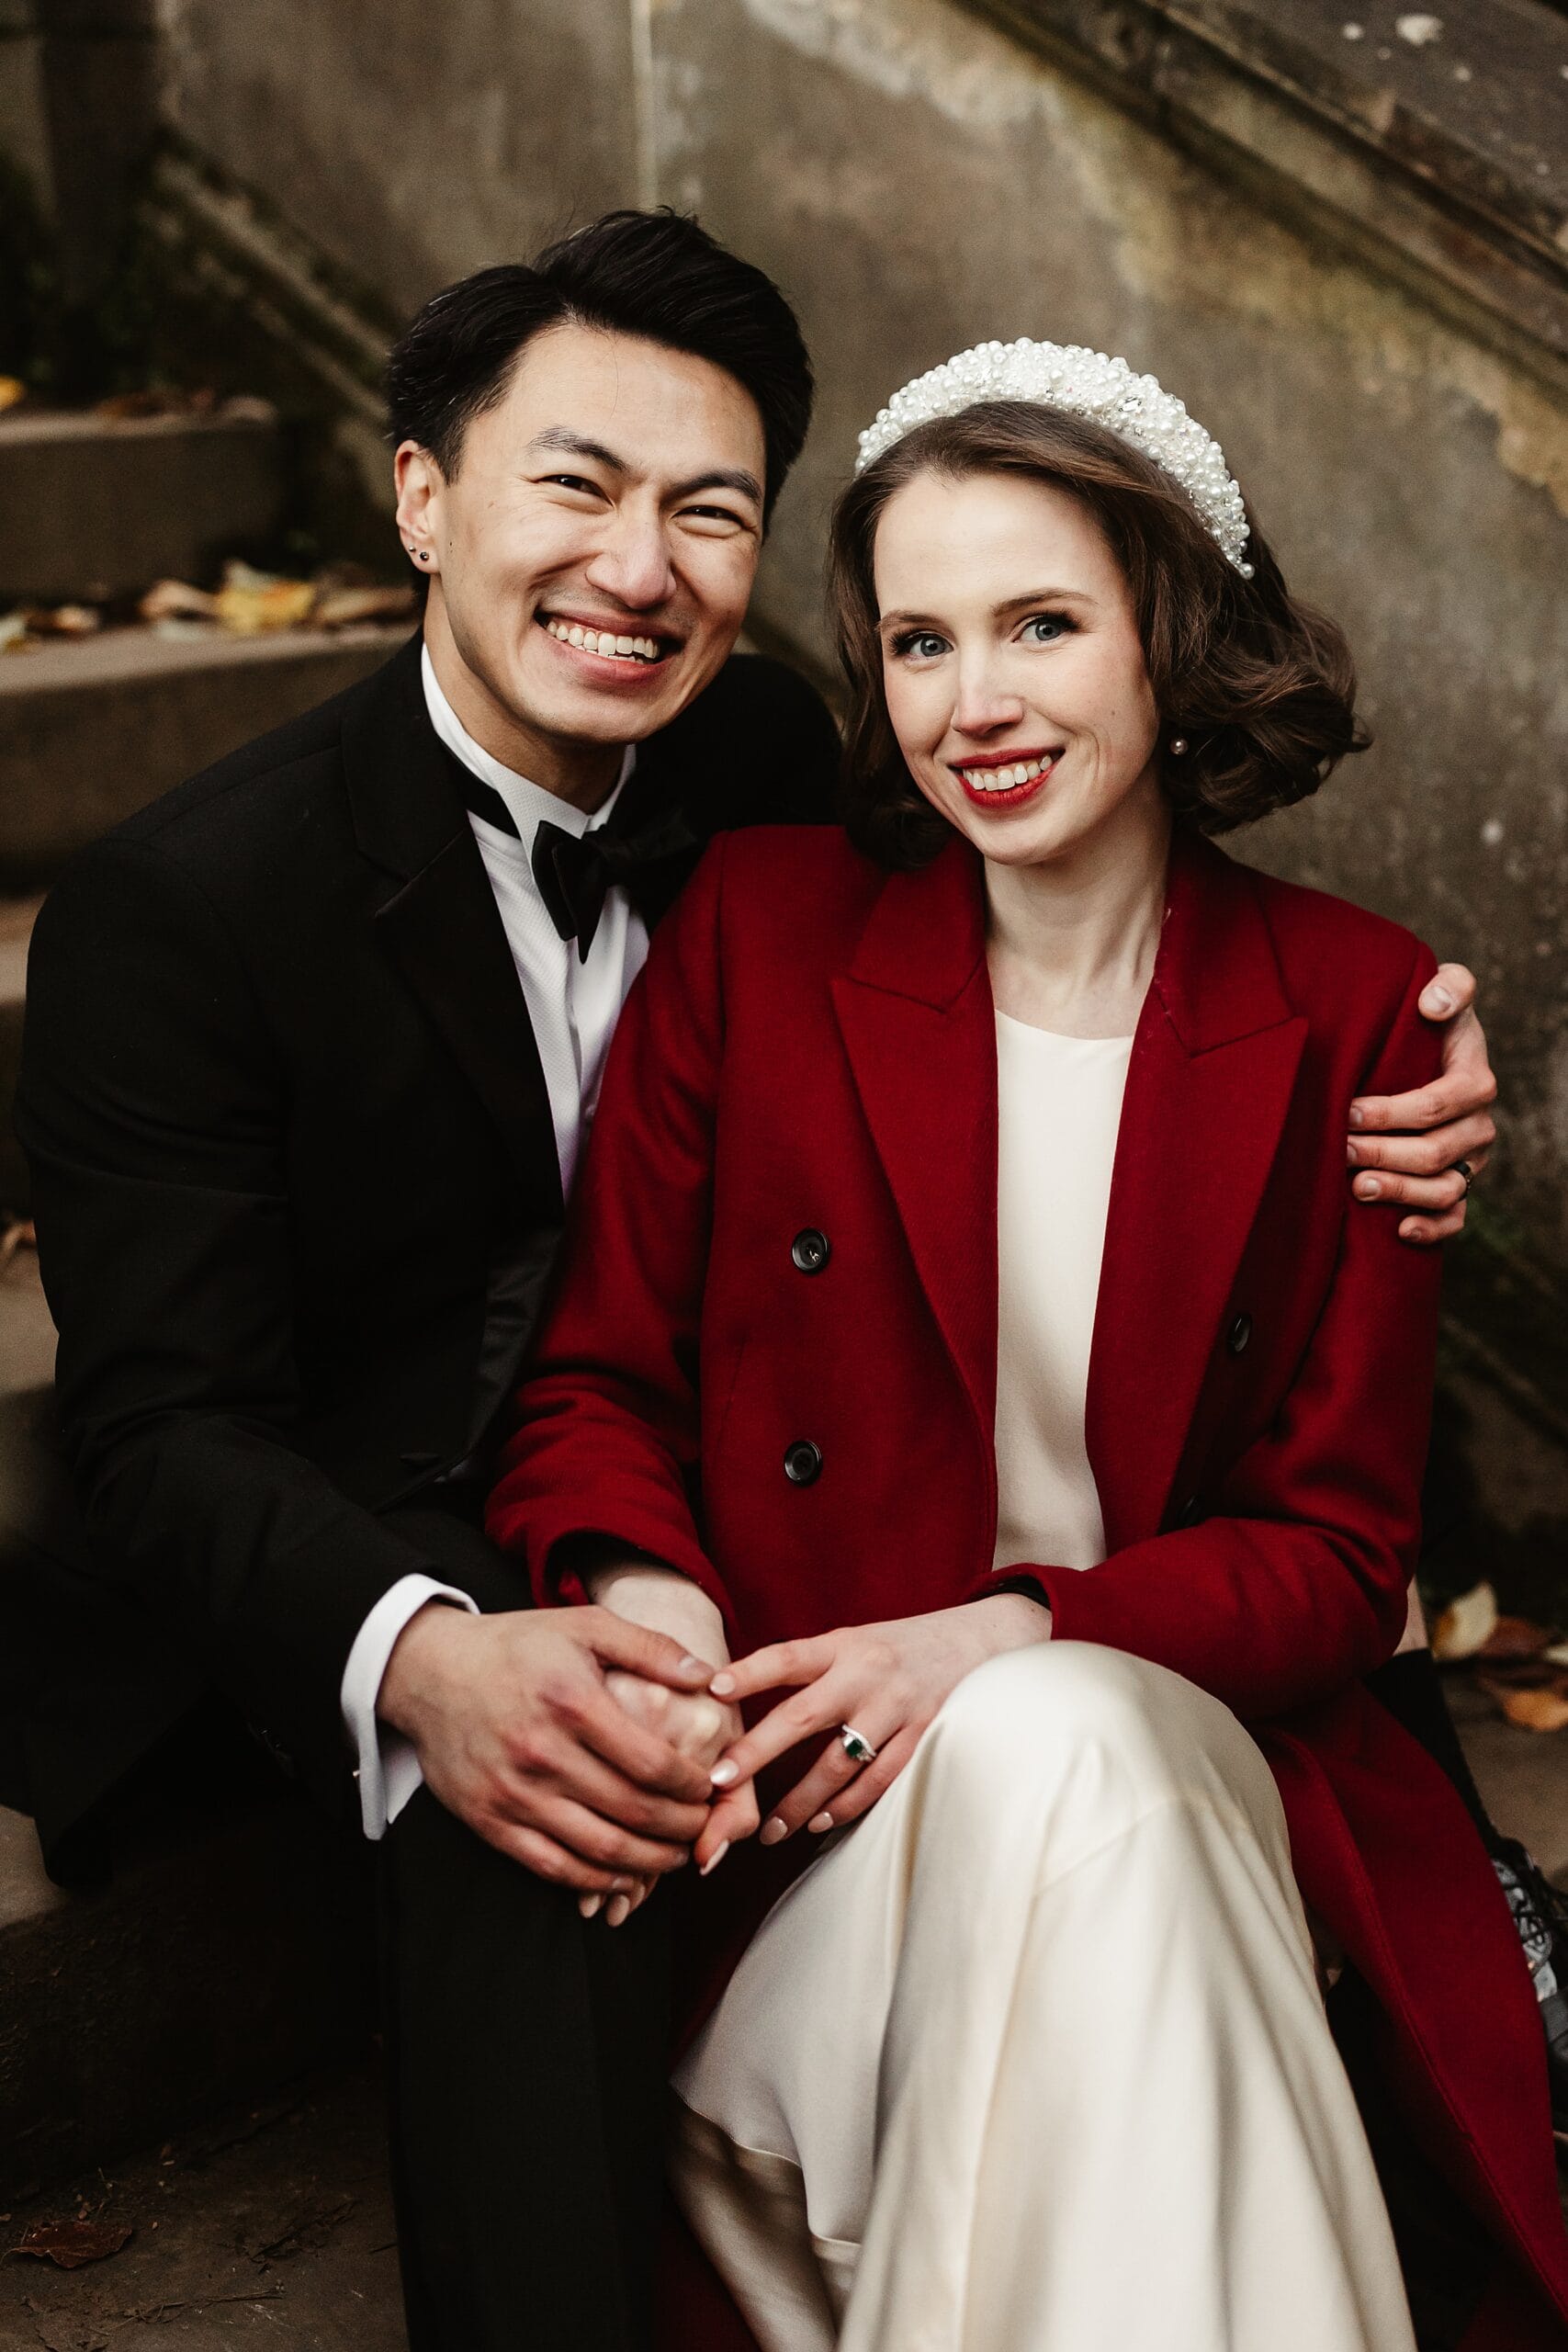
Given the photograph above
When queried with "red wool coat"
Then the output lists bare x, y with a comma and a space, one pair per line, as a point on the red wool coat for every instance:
812, 1047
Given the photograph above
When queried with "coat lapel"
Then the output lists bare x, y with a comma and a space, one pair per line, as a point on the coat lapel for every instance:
438, 921
915, 1013
1209, 1084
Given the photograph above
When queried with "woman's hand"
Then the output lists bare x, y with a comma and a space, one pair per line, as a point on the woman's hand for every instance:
697, 1725
888, 1681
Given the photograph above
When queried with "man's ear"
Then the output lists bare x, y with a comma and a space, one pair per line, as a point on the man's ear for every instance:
420, 487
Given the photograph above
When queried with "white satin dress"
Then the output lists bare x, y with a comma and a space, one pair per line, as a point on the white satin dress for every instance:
1034, 2057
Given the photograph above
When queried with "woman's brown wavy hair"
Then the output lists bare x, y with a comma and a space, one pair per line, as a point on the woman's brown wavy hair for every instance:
1262, 688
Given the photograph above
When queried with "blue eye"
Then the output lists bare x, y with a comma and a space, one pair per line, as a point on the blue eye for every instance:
1057, 624
923, 643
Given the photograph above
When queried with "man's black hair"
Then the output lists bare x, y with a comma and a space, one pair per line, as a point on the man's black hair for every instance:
655, 275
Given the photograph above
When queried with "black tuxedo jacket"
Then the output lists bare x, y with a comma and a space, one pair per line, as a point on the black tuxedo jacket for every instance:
297, 1196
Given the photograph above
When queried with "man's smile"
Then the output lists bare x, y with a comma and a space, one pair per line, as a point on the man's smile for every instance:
606, 644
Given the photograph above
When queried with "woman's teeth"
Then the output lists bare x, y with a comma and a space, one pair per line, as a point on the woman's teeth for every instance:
1005, 779
600, 641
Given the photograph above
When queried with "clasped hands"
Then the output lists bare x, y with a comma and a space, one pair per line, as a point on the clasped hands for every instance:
603, 1747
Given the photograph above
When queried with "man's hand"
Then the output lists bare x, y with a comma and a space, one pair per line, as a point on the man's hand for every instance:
518, 1733
1414, 1141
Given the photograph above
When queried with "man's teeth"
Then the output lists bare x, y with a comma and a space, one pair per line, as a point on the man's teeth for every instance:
600, 641
1004, 779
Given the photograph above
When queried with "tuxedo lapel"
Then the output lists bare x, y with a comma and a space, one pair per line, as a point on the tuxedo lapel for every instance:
915, 1016
1209, 1084
439, 923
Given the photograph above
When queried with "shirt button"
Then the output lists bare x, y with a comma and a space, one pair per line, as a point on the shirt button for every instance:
1239, 1333
811, 1250
803, 1462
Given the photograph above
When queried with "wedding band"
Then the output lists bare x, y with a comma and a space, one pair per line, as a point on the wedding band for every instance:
1462, 1168
856, 1747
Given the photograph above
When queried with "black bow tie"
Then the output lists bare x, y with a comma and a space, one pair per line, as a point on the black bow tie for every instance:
575, 872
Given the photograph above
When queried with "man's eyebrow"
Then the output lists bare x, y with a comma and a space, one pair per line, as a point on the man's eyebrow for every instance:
722, 478
576, 444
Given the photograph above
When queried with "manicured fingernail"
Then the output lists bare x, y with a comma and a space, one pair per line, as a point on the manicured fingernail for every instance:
1367, 1187
622, 1885
1440, 999
714, 1858
619, 1911
722, 1685
723, 1774
1358, 1116
693, 1666
589, 1905
771, 1831
819, 1821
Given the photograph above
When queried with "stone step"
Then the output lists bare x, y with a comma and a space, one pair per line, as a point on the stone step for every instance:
95, 727
228, 1958
98, 506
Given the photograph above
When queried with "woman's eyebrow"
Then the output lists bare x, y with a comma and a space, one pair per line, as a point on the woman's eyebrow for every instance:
1044, 597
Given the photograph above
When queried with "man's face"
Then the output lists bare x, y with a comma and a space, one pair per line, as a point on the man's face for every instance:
592, 560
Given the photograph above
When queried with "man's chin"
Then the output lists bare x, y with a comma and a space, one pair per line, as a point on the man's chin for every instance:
622, 712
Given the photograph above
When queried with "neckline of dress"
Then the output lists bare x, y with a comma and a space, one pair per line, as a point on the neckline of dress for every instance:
1057, 1036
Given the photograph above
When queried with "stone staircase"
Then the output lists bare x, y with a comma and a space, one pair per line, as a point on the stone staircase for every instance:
229, 1956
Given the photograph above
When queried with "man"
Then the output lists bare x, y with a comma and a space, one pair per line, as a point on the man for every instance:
312, 1046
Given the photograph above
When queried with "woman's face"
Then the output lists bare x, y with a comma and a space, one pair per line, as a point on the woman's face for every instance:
1012, 666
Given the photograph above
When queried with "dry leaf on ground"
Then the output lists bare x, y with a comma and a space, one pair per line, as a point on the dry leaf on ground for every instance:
177, 600
1465, 1625
1538, 1707
71, 2244
63, 621
12, 392
250, 603
1513, 1637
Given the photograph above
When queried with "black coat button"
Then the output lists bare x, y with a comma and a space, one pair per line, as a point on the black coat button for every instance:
1239, 1333
811, 1250
803, 1462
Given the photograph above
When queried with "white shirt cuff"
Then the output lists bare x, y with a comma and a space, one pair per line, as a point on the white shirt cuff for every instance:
388, 1770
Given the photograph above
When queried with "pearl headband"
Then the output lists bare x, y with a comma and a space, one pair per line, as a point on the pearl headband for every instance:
1089, 384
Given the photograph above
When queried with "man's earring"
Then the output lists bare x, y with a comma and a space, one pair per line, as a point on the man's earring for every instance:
1177, 745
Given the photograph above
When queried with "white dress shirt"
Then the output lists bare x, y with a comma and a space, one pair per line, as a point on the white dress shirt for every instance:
573, 1006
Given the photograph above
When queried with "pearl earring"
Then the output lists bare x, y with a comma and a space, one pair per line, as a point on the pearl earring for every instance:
1177, 745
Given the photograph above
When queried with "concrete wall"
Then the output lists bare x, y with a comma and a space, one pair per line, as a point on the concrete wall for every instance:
917, 180
412, 143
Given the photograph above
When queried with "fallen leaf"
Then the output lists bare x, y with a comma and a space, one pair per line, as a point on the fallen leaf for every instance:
63, 621
250, 603
71, 2244
12, 632
1545, 1708
12, 390
1557, 1654
177, 600
1514, 1637
340, 606
1465, 1625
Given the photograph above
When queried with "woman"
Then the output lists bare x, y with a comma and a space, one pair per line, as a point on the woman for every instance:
963, 1329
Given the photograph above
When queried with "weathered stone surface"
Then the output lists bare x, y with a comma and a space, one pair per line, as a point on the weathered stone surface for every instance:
95, 730
412, 144
15, 930
106, 508
229, 1957
919, 181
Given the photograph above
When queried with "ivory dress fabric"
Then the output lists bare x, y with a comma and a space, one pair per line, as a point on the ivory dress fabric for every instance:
1032, 2058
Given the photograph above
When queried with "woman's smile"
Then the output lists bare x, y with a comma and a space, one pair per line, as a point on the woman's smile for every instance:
999, 780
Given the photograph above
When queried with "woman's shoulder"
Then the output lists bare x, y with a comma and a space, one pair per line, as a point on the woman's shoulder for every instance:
1331, 950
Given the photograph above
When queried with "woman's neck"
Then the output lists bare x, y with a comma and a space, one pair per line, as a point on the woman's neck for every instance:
1071, 941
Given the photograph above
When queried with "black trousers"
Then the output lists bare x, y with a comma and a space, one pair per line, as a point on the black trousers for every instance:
527, 2058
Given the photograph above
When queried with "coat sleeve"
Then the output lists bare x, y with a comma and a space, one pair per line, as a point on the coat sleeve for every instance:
153, 1110
1295, 1580
606, 1434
